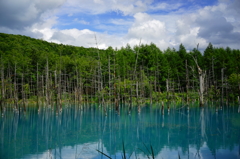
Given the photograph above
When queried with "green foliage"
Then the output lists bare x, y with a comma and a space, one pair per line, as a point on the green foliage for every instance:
234, 79
114, 69
234, 82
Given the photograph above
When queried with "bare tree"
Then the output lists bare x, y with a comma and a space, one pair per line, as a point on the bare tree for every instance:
15, 87
37, 88
201, 75
47, 85
187, 82
3, 86
23, 93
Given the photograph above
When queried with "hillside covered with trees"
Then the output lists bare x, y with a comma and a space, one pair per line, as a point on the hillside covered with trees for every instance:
36, 71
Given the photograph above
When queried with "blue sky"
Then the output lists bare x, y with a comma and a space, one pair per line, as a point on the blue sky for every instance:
116, 23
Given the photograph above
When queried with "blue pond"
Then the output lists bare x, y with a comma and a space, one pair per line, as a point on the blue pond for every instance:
78, 134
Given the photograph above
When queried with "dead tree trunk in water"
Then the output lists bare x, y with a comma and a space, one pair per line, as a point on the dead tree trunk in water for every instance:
116, 96
37, 88
187, 82
15, 88
201, 75
134, 73
109, 79
115, 88
3, 86
56, 91
59, 90
222, 79
213, 77
100, 80
47, 84
23, 94
167, 86
77, 89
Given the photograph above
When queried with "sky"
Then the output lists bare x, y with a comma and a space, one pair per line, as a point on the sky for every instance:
116, 23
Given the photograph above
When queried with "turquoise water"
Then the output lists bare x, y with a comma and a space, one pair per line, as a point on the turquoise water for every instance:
78, 134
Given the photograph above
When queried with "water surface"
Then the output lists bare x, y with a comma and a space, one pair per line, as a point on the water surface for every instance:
78, 134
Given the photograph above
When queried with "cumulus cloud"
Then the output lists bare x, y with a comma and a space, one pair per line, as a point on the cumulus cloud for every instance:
212, 23
86, 38
209, 24
139, 19
23, 13
73, 36
148, 30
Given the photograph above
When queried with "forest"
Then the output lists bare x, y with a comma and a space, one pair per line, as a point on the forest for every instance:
34, 71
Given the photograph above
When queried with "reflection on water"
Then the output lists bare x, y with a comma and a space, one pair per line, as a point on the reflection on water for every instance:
77, 134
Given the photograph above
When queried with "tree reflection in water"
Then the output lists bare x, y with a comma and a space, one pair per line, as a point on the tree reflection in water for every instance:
78, 133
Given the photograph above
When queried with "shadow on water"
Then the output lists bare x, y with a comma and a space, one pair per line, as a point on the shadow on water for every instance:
79, 133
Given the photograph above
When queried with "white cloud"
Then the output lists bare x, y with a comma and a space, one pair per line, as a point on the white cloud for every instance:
85, 38
127, 7
165, 6
213, 26
187, 34
121, 22
24, 13
148, 30
219, 24
165, 30
81, 21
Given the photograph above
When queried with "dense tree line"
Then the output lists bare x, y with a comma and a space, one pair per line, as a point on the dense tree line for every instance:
46, 73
